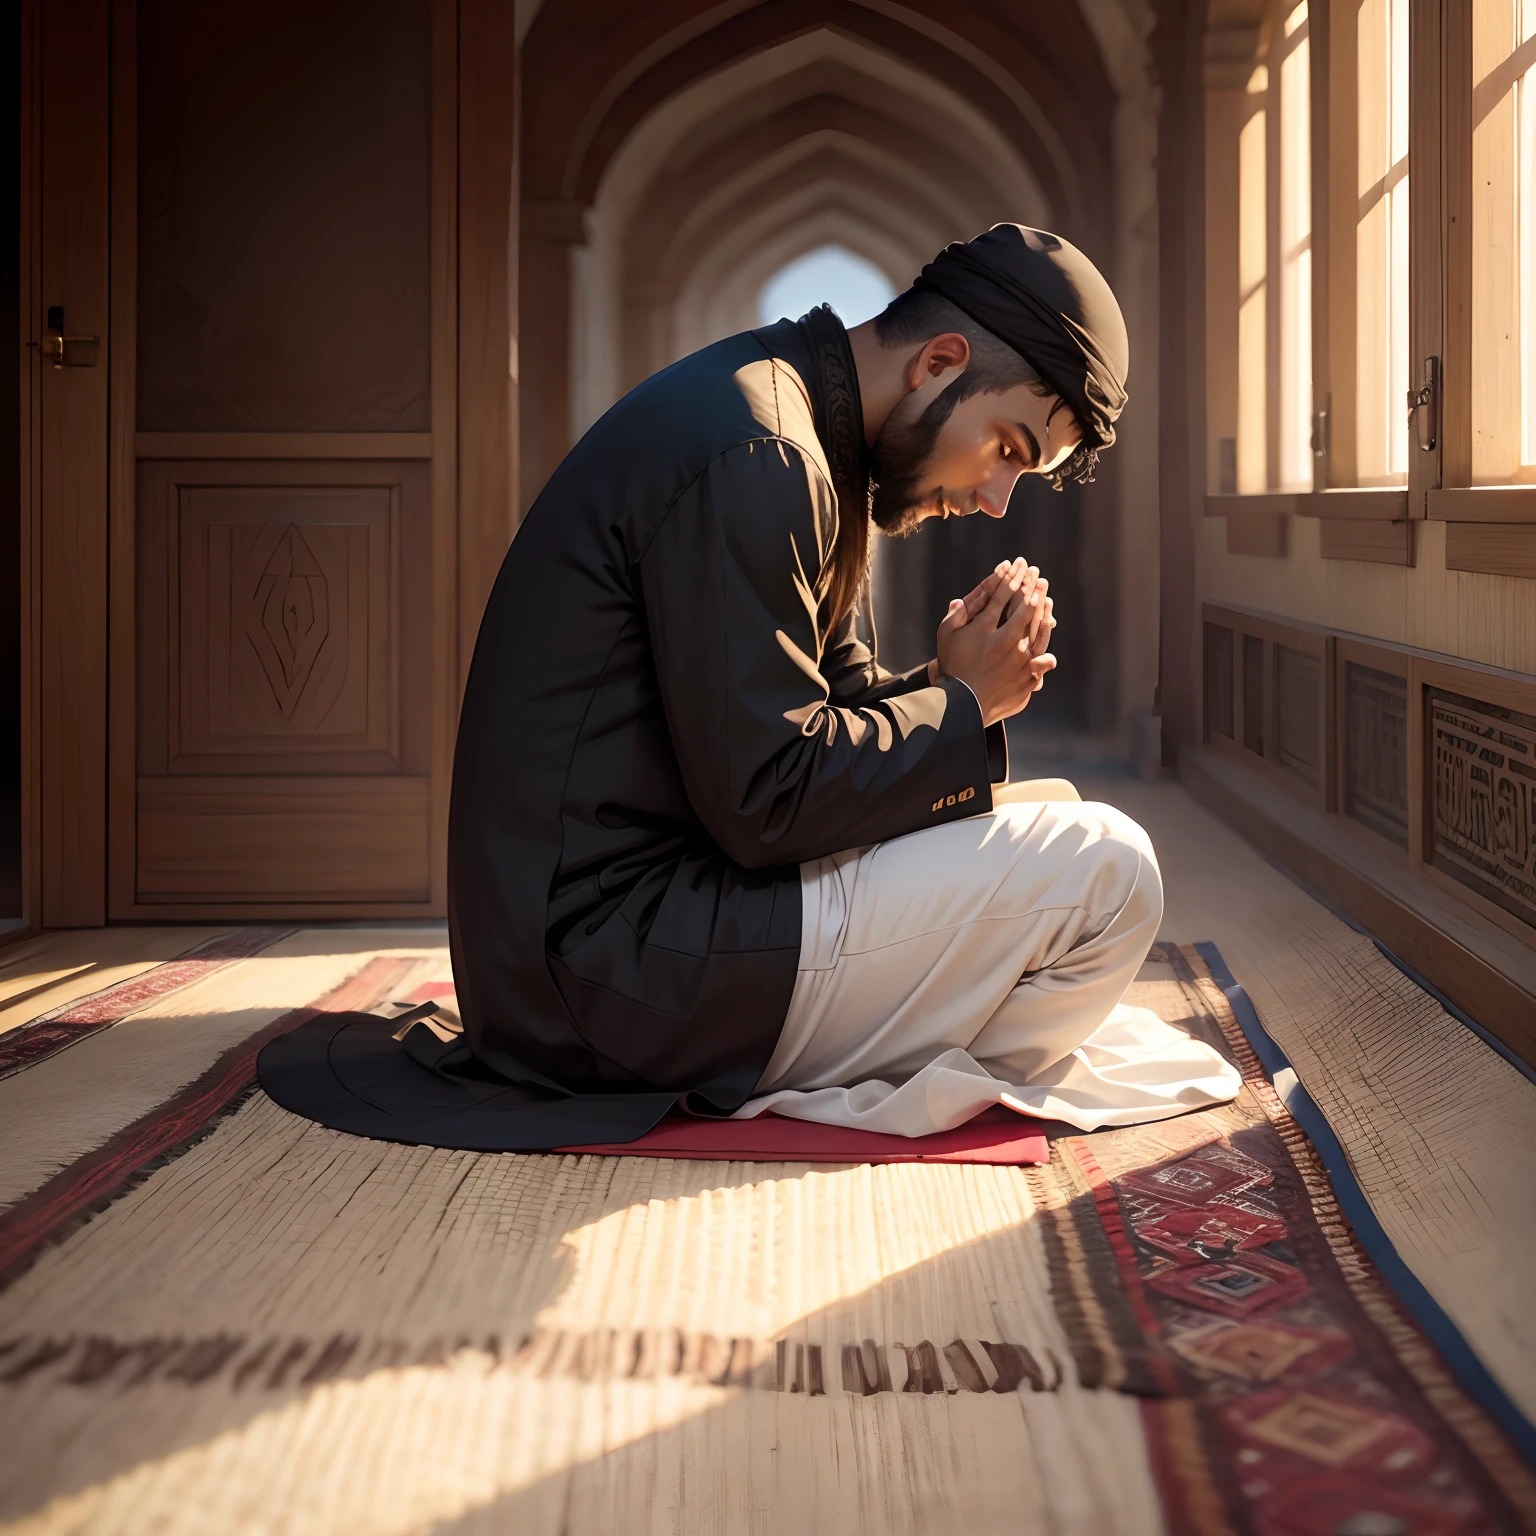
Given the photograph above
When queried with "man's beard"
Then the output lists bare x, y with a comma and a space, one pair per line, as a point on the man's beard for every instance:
901, 456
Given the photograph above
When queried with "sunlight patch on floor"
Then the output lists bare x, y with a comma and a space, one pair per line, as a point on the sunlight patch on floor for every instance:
748, 1259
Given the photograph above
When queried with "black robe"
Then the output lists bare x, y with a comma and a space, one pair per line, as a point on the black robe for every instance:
655, 733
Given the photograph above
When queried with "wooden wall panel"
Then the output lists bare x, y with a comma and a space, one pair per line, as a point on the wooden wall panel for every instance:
1284, 698
1218, 682
1430, 760
1266, 534
1253, 694
1298, 712
1374, 751
1481, 817
284, 240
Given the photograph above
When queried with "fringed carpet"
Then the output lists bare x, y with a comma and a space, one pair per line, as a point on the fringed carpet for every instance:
228, 1319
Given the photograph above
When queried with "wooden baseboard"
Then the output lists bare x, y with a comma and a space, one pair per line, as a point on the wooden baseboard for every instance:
1487, 973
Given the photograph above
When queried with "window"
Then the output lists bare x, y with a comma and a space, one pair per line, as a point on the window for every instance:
1504, 240
1362, 252
1274, 317
1253, 292
1381, 244
1295, 253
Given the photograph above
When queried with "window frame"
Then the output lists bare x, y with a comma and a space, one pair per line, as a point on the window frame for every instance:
1439, 483
1245, 102
1491, 526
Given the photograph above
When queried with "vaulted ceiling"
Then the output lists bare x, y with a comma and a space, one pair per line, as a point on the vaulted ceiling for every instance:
714, 143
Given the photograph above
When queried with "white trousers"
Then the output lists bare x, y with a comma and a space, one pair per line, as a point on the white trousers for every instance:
984, 962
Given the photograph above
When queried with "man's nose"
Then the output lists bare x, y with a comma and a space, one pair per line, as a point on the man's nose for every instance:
993, 497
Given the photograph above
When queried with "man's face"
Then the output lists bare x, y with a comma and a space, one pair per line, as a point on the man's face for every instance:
937, 458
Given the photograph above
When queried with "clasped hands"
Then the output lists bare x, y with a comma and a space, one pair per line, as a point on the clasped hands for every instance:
994, 639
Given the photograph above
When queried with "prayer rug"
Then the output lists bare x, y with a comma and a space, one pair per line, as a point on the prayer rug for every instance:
258, 1305
998, 1135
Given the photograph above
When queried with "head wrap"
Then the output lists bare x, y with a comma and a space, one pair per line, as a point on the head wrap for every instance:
1046, 300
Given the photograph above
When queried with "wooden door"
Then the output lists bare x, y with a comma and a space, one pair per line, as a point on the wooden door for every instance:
283, 524
66, 129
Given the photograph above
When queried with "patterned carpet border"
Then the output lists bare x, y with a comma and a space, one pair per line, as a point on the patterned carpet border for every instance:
1368, 1230
1287, 1388
70, 1023
53, 1210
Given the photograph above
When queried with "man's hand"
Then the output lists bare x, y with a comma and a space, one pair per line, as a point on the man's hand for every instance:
962, 610
994, 639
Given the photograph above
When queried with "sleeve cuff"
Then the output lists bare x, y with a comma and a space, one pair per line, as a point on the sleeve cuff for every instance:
997, 753
996, 738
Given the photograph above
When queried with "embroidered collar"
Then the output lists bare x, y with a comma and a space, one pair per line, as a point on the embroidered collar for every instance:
839, 408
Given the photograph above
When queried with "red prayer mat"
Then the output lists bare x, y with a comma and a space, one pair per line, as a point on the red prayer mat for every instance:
998, 1135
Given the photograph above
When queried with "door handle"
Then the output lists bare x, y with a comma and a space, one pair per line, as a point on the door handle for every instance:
54, 347
55, 344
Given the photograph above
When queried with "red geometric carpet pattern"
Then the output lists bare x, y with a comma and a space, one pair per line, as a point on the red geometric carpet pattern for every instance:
1287, 1391
52, 1210
70, 1023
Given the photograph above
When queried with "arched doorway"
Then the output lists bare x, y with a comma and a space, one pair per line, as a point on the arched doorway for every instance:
675, 163
831, 274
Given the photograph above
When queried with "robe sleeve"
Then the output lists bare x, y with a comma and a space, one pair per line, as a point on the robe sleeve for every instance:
774, 768
855, 677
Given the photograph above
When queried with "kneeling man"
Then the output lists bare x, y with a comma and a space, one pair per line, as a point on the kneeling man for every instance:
703, 848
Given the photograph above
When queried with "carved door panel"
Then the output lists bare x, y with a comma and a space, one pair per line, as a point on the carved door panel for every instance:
292, 521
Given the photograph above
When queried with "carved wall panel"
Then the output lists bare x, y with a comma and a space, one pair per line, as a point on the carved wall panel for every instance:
282, 620
285, 620
1483, 807
1298, 711
1376, 751
1253, 694
1218, 680
284, 693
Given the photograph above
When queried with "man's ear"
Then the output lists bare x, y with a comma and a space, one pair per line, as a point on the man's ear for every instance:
946, 353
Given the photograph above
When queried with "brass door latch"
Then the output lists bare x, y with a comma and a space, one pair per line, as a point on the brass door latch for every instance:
66, 351
1424, 407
